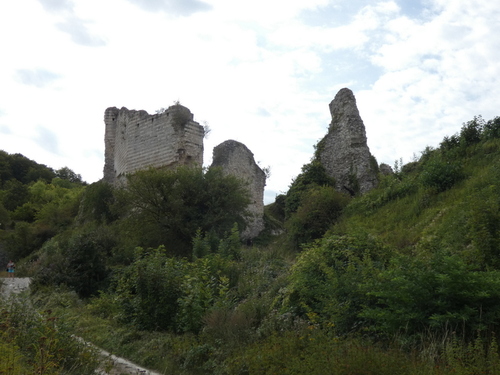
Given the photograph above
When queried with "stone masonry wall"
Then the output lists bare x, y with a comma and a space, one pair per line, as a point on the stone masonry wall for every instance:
137, 140
236, 159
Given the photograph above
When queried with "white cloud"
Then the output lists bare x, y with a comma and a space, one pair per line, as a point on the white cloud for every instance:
439, 72
36, 77
260, 72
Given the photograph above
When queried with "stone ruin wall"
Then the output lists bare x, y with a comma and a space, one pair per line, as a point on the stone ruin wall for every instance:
236, 159
136, 140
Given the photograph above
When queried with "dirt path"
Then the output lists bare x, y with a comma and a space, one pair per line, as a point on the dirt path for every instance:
116, 365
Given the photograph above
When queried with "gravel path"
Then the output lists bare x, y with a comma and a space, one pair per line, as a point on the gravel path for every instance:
119, 366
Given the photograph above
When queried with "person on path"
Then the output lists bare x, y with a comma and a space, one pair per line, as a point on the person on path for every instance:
11, 267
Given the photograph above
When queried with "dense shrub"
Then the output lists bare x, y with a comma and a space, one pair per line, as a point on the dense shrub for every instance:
325, 282
440, 293
492, 128
97, 203
78, 261
313, 174
319, 210
149, 288
33, 342
440, 175
471, 131
158, 292
169, 207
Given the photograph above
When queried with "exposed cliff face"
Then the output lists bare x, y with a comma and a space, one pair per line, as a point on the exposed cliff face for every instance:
236, 159
344, 150
136, 140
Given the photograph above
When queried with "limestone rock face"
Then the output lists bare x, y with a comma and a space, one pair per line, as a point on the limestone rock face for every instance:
386, 169
135, 140
344, 150
236, 159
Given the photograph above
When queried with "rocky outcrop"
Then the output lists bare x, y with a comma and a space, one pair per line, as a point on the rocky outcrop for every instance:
344, 151
385, 169
236, 159
136, 140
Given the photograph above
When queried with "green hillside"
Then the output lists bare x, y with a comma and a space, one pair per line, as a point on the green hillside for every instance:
402, 280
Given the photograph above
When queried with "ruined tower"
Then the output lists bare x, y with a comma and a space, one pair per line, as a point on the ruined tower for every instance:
236, 159
136, 140
344, 150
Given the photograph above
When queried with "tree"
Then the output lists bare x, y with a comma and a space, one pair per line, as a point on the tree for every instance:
67, 174
167, 207
313, 174
320, 209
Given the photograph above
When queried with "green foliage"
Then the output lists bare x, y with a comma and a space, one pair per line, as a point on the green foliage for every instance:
168, 207
18, 167
325, 282
158, 292
313, 174
149, 288
319, 352
471, 132
319, 210
441, 175
491, 129
440, 293
35, 342
230, 246
97, 203
15, 194
22, 241
67, 174
78, 261
203, 288
391, 188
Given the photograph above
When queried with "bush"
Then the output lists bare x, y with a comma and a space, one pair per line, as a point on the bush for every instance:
169, 207
440, 175
319, 210
325, 282
439, 294
148, 290
42, 342
78, 261
313, 174
471, 132
492, 128
161, 293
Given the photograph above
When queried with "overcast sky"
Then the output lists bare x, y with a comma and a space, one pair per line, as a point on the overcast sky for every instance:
261, 72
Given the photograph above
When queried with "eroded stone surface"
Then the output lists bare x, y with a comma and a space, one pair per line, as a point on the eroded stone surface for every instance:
344, 150
136, 140
236, 159
386, 169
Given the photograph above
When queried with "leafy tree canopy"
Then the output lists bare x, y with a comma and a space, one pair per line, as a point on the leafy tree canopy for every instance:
167, 207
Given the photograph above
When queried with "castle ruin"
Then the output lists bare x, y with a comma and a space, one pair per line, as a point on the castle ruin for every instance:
136, 140
236, 159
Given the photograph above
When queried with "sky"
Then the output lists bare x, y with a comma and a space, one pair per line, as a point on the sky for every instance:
261, 72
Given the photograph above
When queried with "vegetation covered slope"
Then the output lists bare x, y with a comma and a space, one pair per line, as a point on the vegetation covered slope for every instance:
404, 279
